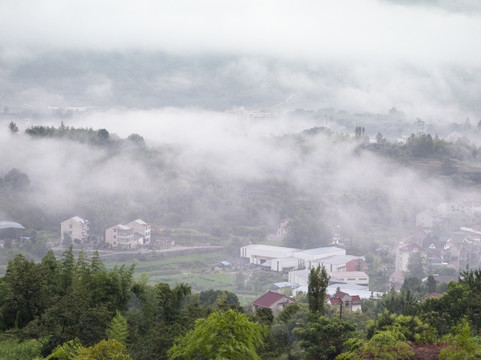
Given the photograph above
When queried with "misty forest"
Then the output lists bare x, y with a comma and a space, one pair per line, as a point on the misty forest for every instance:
177, 182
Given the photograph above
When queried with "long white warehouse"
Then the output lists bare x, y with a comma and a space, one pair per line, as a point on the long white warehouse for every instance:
284, 259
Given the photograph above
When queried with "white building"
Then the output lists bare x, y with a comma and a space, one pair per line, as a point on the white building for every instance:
120, 235
403, 252
75, 228
142, 229
301, 277
349, 277
258, 254
135, 233
340, 262
312, 256
284, 259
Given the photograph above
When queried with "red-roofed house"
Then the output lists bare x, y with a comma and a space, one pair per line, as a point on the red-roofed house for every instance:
349, 303
272, 300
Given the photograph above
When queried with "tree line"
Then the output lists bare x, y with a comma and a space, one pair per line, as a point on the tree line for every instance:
75, 308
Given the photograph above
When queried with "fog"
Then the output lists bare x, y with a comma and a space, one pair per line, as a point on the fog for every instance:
213, 163
369, 55
171, 71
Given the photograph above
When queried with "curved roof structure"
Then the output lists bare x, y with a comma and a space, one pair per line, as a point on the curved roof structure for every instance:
10, 225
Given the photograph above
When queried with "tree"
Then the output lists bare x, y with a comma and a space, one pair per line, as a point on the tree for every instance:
414, 285
322, 338
26, 295
66, 351
316, 292
13, 127
239, 280
431, 284
380, 139
16, 180
104, 350
12, 348
416, 265
137, 140
210, 297
461, 345
227, 335
103, 134
264, 316
404, 302
307, 232
118, 329
389, 344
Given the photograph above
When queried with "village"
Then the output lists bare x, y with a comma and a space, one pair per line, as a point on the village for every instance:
446, 240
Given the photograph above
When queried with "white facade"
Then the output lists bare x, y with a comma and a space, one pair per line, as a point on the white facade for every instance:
120, 235
350, 277
75, 228
284, 264
143, 229
311, 257
403, 252
258, 254
336, 262
301, 277
283, 258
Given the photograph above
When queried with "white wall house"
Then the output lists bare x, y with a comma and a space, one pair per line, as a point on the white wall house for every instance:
403, 252
129, 236
143, 229
120, 235
75, 228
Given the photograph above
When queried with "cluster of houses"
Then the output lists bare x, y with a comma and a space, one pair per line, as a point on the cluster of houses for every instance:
458, 248
129, 236
277, 302
347, 273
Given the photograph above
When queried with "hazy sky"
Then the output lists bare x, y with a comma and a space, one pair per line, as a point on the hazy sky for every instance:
364, 30
359, 55
178, 65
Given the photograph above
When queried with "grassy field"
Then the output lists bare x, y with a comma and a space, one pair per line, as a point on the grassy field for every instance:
202, 271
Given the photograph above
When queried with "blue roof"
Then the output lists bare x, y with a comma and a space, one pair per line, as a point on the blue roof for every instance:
225, 263
10, 225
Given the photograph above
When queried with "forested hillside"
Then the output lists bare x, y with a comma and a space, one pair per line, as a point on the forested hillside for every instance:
316, 177
74, 308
